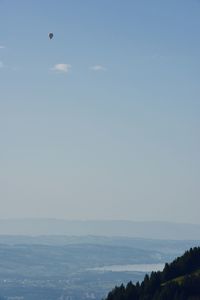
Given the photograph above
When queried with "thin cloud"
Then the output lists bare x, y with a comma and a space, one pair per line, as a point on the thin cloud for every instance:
1, 64
2, 47
98, 68
62, 68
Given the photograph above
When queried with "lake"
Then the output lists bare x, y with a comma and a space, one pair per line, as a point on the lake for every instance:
146, 268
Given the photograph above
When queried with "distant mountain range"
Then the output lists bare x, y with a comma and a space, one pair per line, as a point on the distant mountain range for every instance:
148, 230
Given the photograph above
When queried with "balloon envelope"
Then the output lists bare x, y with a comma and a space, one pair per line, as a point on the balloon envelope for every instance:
50, 35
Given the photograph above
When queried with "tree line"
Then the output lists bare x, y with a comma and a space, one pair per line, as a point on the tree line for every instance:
179, 280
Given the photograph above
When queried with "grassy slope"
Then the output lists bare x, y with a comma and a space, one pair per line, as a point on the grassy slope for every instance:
180, 279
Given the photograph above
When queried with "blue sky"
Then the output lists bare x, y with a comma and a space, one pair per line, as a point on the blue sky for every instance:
103, 121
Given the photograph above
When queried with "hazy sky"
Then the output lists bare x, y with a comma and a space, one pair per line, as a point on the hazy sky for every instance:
103, 121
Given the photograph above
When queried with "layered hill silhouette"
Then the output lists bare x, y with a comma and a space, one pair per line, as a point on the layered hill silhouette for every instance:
180, 280
147, 230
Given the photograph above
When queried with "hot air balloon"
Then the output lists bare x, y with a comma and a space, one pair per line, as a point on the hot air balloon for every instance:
50, 35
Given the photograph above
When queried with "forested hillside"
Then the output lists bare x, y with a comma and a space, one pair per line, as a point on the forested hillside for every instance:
180, 280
